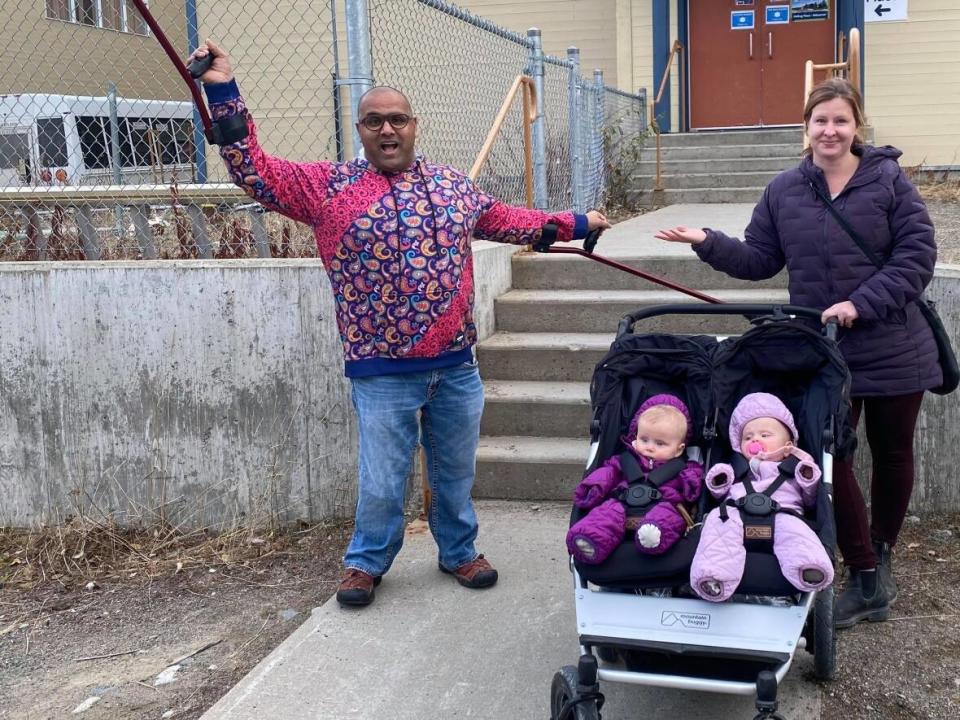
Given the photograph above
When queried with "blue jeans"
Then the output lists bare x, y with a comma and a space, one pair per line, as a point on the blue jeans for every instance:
450, 401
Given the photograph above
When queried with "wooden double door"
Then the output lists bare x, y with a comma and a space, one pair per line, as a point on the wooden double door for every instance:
747, 58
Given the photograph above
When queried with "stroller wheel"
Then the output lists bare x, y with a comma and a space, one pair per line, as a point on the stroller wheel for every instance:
567, 702
824, 636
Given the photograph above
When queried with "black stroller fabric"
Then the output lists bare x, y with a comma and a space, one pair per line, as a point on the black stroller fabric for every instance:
789, 359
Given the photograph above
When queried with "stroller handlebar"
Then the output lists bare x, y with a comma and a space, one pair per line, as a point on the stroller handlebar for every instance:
752, 311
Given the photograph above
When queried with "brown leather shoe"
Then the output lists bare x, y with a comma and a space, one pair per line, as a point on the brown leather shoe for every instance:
356, 588
475, 574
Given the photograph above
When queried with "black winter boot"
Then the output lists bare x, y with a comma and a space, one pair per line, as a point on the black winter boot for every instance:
888, 582
863, 599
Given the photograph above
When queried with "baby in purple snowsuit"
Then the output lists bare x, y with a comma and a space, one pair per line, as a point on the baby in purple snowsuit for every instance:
764, 431
657, 437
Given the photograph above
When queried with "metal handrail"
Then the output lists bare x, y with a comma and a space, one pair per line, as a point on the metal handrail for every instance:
529, 116
849, 68
675, 51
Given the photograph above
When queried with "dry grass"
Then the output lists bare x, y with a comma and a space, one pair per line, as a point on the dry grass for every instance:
947, 191
935, 186
83, 550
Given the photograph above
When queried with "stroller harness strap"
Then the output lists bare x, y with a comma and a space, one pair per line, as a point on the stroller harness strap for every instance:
643, 489
758, 510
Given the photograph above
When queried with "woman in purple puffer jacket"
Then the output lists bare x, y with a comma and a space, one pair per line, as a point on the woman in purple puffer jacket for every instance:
887, 344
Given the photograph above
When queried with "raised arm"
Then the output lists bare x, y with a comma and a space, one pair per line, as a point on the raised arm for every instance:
296, 189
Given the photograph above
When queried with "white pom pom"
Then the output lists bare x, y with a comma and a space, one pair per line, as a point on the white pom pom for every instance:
648, 536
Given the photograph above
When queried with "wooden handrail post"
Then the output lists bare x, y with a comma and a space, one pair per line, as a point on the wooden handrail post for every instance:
853, 59
529, 108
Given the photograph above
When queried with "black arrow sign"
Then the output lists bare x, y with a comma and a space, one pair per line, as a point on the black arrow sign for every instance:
881, 10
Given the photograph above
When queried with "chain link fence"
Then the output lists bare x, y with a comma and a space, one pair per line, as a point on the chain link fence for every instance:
102, 157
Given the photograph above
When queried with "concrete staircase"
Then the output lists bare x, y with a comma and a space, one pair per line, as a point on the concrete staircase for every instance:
552, 328
715, 166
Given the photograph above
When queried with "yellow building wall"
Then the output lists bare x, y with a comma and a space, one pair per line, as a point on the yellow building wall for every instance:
639, 18
590, 25
912, 82
282, 56
42, 55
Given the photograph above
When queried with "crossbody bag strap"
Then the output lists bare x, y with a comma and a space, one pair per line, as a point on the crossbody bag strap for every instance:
871, 255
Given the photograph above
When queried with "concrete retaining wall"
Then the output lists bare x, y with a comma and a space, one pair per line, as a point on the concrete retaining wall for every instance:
203, 393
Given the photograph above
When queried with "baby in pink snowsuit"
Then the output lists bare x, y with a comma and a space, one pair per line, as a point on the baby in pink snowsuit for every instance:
656, 441
764, 431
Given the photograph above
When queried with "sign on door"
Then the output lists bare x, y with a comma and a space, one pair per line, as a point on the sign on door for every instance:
884, 10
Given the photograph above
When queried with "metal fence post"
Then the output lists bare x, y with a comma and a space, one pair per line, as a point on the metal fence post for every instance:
199, 141
540, 192
598, 122
574, 99
359, 60
642, 99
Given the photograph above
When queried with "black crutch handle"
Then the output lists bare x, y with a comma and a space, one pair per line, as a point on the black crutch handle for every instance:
199, 66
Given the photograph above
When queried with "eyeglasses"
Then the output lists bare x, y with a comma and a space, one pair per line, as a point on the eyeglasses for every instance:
397, 121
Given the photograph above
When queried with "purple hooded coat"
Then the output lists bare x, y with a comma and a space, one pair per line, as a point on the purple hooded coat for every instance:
890, 350
720, 555
605, 526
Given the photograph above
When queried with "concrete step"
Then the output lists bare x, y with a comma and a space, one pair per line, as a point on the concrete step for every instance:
669, 166
747, 136
584, 311
674, 196
682, 181
544, 356
546, 409
535, 271
528, 468
714, 152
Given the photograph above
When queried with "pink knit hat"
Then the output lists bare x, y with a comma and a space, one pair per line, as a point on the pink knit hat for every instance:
662, 399
757, 405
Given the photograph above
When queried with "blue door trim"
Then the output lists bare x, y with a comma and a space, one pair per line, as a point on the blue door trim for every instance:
661, 46
850, 14
684, 37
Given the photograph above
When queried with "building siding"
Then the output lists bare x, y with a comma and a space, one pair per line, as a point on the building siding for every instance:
289, 91
590, 25
912, 83
40, 55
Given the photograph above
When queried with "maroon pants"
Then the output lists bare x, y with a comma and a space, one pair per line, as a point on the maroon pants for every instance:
890, 424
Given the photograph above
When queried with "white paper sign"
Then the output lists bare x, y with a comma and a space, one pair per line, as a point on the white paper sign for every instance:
884, 10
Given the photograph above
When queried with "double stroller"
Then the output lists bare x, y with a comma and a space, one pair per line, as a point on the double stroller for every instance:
637, 618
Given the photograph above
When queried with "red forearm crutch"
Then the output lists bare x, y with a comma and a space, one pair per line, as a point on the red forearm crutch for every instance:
189, 73
590, 242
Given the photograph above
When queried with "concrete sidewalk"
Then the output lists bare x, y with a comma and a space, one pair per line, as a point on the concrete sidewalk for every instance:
428, 648
634, 237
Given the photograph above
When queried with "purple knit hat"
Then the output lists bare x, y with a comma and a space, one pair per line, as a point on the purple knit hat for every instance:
757, 405
662, 399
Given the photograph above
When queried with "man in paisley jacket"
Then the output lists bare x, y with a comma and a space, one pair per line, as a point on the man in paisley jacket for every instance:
393, 230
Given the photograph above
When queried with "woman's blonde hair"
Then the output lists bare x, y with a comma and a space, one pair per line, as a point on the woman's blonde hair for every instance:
833, 89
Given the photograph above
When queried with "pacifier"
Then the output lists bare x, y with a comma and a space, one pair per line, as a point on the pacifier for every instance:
754, 447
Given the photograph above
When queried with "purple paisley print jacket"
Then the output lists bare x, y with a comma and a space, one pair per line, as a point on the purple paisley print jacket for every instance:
396, 246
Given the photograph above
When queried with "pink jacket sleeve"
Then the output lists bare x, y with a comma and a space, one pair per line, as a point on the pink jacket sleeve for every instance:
719, 480
807, 475
520, 226
295, 189
598, 485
